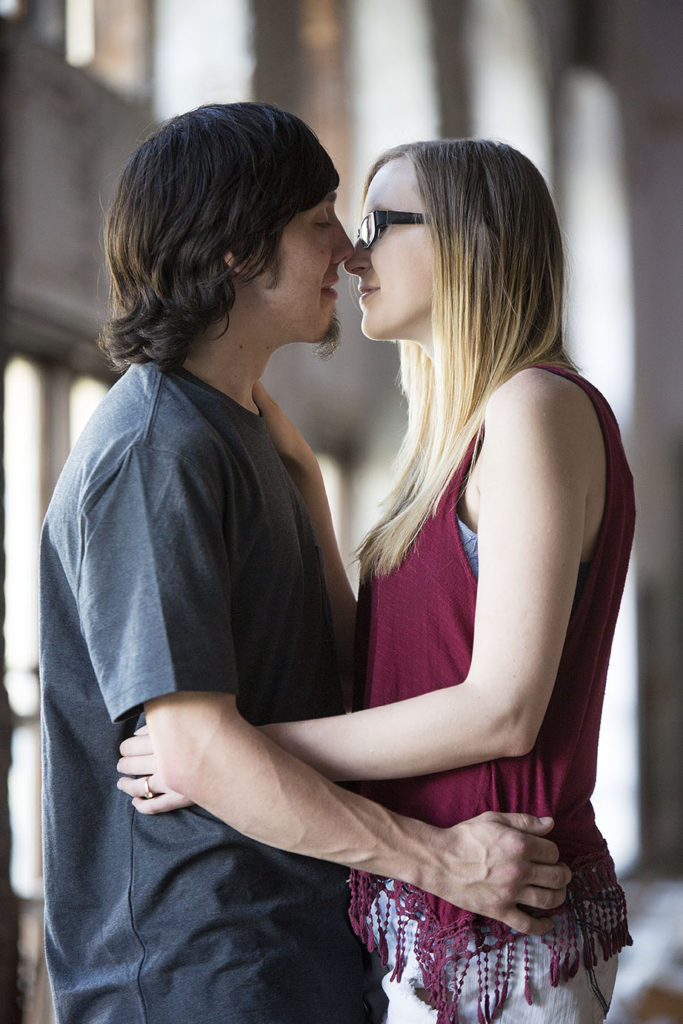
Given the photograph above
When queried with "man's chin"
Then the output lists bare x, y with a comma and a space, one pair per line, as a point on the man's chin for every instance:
330, 339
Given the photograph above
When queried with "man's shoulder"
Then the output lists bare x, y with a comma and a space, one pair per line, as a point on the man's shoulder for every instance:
146, 411
123, 424
153, 428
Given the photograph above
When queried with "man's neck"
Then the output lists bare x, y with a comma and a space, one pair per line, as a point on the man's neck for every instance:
228, 364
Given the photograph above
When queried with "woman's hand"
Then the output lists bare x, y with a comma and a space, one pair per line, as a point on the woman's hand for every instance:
138, 767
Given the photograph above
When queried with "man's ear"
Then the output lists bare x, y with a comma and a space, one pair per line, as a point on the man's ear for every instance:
229, 260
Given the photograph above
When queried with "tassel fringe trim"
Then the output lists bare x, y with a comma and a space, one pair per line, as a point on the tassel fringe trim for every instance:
591, 923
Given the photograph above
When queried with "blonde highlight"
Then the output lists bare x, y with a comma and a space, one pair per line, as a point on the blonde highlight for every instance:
497, 308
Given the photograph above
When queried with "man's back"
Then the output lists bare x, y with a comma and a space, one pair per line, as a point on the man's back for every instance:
177, 556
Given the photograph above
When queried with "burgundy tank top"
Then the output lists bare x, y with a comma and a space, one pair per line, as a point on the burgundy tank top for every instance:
415, 634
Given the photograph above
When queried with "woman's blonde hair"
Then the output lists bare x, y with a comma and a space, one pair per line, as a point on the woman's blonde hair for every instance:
497, 308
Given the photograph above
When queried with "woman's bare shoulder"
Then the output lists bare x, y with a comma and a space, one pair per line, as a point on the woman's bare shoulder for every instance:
538, 399
544, 423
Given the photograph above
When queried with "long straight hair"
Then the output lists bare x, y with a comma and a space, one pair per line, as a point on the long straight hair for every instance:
497, 308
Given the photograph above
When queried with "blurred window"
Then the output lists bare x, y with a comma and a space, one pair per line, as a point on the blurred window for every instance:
11, 8
112, 41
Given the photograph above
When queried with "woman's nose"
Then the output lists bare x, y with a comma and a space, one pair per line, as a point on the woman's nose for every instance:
359, 260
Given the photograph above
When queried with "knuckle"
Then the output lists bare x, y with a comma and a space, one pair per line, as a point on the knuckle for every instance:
512, 872
559, 878
516, 846
546, 899
514, 877
509, 888
512, 891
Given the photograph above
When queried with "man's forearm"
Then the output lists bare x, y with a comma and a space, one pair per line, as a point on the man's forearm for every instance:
220, 762
210, 754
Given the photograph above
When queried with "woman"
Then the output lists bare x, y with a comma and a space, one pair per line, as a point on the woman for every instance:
490, 586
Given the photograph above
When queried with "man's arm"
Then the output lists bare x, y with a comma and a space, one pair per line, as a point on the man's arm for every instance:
207, 751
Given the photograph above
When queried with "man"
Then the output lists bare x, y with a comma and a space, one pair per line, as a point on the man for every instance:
181, 577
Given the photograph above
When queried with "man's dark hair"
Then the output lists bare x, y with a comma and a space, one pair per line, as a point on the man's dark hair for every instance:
222, 178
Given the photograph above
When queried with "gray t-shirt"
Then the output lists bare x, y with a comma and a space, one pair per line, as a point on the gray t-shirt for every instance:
177, 555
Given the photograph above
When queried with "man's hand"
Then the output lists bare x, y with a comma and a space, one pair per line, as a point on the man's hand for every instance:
502, 860
488, 865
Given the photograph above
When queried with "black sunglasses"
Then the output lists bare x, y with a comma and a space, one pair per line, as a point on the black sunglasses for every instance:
372, 226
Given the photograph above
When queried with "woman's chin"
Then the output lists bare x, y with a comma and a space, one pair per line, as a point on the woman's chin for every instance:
374, 332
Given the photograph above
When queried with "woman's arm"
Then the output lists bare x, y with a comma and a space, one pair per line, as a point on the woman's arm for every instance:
304, 470
539, 506
488, 865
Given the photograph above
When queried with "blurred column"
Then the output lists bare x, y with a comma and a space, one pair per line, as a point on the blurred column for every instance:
507, 77
394, 93
594, 203
47, 21
9, 925
635, 49
326, 87
202, 55
122, 32
643, 45
300, 49
279, 74
449, 44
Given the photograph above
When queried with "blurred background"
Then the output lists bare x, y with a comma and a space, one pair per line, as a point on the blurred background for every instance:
592, 91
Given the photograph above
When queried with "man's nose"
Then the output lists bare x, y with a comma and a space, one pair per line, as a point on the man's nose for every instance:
343, 246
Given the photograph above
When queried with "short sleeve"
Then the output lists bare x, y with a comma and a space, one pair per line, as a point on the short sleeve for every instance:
154, 582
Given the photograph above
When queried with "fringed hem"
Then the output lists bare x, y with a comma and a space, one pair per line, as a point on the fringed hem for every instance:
592, 920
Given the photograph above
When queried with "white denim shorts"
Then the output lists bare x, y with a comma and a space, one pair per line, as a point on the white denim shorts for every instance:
583, 999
